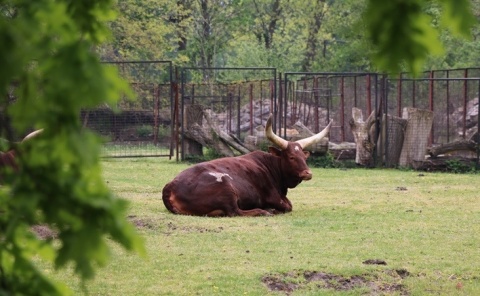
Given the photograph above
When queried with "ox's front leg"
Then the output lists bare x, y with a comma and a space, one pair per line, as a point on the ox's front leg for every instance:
254, 212
282, 206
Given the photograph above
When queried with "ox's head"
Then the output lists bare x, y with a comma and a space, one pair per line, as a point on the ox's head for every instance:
293, 158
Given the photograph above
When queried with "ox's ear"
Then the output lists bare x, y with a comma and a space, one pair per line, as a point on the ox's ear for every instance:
274, 151
307, 153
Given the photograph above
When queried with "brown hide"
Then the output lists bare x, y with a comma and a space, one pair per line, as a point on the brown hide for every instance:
8, 159
249, 185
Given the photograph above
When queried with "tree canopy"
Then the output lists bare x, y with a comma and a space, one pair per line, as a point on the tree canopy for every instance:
312, 35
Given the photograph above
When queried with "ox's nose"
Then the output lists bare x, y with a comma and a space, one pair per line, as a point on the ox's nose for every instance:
306, 175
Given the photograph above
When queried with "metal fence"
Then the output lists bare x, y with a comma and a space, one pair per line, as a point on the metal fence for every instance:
140, 126
154, 121
316, 98
452, 96
240, 100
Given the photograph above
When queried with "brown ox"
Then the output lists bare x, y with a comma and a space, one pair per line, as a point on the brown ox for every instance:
8, 159
249, 185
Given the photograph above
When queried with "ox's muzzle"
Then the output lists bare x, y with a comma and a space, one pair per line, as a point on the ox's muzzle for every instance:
306, 175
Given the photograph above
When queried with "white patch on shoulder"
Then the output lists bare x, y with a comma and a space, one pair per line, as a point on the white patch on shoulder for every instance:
219, 176
297, 148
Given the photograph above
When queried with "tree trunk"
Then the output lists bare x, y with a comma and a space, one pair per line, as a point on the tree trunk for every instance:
269, 21
363, 140
312, 40
419, 125
390, 142
193, 116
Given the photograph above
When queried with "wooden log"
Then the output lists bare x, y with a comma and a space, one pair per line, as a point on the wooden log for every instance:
362, 136
443, 163
256, 142
210, 135
342, 151
461, 145
208, 138
419, 125
320, 148
225, 137
242, 147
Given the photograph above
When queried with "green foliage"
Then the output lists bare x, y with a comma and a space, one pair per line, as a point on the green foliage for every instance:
328, 161
324, 161
45, 49
164, 131
208, 154
144, 130
142, 31
456, 166
344, 41
412, 35
404, 35
264, 145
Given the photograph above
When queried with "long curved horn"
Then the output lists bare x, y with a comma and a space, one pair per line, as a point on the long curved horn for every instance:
281, 143
32, 134
304, 143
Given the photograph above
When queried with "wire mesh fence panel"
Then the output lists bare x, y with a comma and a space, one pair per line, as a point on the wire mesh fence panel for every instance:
452, 100
141, 125
451, 96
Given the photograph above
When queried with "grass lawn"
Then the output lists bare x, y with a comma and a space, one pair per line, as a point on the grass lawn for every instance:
420, 230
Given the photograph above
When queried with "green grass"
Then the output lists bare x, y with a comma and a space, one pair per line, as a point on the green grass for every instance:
425, 223
134, 149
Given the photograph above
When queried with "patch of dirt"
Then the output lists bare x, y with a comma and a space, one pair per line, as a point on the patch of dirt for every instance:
171, 227
375, 261
296, 280
44, 232
403, 273
145, 223
141, 223
278, 284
